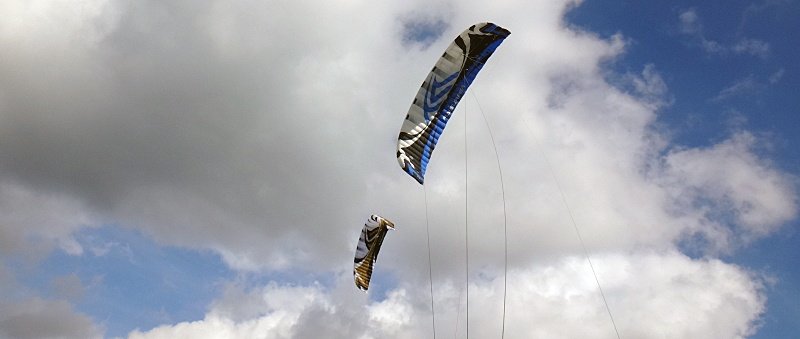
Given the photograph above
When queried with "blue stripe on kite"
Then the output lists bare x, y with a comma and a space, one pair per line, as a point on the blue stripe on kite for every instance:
446, 109
432, 96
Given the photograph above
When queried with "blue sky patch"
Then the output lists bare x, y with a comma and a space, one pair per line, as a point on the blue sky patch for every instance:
131, 282
423, 31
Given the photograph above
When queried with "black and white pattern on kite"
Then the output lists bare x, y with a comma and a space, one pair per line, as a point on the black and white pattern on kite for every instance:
369, 244
440, 93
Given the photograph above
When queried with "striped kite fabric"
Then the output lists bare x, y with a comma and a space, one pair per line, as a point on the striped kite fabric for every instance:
369, 244
440, 93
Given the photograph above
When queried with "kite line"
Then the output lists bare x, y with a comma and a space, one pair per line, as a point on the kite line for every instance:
505, 218
430, 269
466, 211
575, 227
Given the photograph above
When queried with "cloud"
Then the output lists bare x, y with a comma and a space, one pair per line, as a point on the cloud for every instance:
652, 295
198, 128
33, 222
777, 76
266, 133
729, 175
751, 46
738, 88
38, 318
689, 24
747, 87
648, 86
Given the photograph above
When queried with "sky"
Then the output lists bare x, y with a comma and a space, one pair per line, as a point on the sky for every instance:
204, 169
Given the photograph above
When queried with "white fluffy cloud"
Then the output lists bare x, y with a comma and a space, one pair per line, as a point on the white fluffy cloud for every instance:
731, 179
652, 295
265, 131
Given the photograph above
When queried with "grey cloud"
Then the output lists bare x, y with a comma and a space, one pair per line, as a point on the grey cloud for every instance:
33, 223
154, 126
38, 318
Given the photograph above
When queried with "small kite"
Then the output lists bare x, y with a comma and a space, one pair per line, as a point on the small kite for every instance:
369, 243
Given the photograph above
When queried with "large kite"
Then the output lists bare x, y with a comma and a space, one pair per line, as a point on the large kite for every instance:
440, 93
